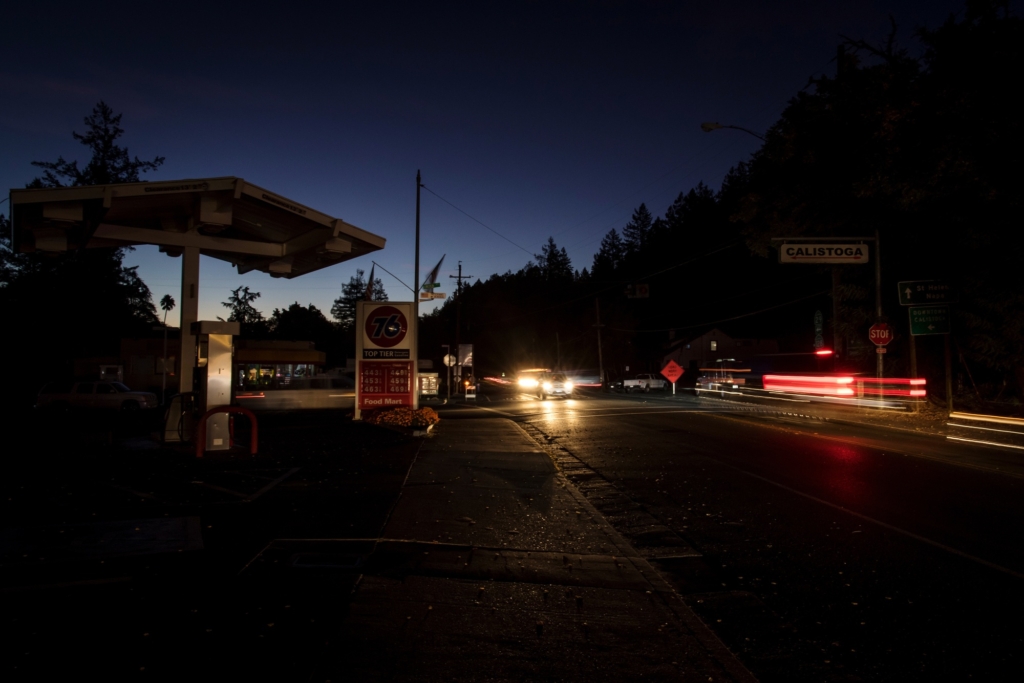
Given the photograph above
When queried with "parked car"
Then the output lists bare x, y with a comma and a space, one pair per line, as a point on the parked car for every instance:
553, 384
644, 383
97, 395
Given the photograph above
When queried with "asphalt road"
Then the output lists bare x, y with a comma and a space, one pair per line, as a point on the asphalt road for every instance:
819, 551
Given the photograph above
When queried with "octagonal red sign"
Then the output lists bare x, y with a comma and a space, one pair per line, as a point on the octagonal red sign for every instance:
880, 334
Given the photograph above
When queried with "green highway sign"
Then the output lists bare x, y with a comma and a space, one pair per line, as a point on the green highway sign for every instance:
919, 292
929, 320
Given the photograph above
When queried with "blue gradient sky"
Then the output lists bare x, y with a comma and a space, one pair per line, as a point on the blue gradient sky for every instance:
538, 118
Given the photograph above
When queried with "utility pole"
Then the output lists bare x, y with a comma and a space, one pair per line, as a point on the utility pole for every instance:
949, 375
836, 341
878, 300
600, 356
558, 352
458, 315
448, 352
416, 305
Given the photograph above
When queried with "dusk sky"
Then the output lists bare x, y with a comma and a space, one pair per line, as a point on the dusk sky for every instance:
537, 118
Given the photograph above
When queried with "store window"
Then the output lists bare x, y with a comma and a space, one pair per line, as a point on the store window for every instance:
262, 377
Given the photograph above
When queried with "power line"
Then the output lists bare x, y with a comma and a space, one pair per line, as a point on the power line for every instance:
476, 220
394, 276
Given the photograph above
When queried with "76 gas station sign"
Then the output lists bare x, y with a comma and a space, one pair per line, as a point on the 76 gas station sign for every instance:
385, 355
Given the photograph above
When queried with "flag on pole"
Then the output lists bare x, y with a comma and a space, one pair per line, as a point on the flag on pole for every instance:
431, 280
369, 285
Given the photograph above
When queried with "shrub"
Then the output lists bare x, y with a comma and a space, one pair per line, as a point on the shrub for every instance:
404, 417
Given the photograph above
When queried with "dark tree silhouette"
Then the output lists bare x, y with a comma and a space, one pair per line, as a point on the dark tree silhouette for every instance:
80, 303
240, 304
553, 262
253, 324
167, 304
636, 232
110, 163
609, 257
344, 308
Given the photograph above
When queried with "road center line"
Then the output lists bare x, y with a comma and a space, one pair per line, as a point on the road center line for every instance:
890, 527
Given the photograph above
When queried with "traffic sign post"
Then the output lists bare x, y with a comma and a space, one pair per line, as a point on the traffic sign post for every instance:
880, 334
837, 251
449, 361
672, 372
929, 320
918, 292
914, 293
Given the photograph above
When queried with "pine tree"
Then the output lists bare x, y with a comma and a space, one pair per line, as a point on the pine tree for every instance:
88, 288
110, 162
609, 257
636, 232
344, 307
553, 262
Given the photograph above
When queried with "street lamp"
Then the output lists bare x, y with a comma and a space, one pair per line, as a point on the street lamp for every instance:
709, 126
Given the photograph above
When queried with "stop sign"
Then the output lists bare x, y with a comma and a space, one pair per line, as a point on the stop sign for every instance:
880, 334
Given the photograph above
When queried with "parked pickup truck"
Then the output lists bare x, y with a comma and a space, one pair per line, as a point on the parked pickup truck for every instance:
644, 383
108, 395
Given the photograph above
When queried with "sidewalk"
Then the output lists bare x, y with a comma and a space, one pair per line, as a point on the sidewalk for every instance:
493, 567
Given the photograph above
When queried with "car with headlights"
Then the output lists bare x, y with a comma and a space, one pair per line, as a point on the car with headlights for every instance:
553, 384
529, 380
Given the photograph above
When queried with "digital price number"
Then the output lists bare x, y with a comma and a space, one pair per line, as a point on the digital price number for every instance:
385, 378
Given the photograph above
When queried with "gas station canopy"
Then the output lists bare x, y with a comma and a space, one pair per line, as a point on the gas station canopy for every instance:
226, 218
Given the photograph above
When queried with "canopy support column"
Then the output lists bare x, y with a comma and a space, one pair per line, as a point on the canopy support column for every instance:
189, 314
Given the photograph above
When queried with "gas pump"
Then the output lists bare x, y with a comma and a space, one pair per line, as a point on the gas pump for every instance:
211, 383
212, 378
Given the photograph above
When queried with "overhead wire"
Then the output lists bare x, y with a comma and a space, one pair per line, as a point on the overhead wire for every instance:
394, 276
477, 220
607, 207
